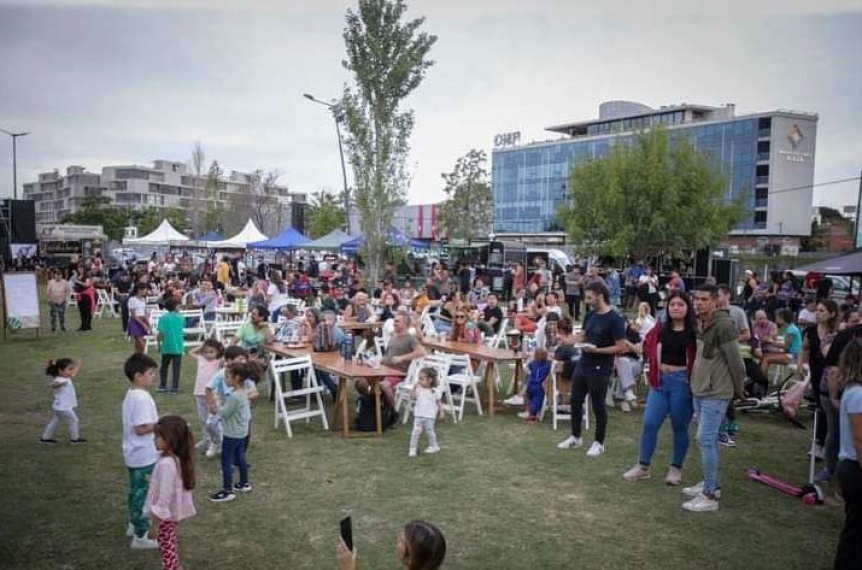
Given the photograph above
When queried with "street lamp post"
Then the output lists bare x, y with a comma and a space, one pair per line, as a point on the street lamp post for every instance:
334, 108
14, 160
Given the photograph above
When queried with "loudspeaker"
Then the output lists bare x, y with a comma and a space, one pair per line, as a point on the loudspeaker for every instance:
297, 216
21, 215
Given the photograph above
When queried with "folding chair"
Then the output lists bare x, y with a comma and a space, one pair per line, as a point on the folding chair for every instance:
225, 330
195, 331
441, 363
402, 390
105, 302
469, 383
280, 370
153, 338
563, 411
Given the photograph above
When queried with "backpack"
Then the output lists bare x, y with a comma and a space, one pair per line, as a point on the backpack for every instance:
365, 417
324, 338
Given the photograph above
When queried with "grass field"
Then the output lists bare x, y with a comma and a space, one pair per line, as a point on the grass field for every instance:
502, 493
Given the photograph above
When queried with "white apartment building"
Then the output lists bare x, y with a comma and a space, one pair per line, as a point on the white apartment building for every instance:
166, 184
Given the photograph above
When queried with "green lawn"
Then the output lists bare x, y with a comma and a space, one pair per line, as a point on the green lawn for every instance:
502, 493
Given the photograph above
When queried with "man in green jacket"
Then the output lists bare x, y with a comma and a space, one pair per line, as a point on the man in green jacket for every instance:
718, 376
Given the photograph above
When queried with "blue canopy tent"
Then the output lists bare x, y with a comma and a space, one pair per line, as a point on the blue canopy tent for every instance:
288, 239
210, 236
396, 239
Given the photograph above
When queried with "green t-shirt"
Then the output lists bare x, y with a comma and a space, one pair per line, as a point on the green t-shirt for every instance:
171, 332
250, 337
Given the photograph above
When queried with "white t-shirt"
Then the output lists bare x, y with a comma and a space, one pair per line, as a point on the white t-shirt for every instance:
651, 281
137, 307
426, 402
65, 398
277, 298
169, 266
139, 409
807, 317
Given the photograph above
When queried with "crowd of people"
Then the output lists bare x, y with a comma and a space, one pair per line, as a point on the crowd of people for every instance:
702, 353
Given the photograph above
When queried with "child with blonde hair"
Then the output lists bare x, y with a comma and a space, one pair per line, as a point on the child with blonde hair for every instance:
426, 410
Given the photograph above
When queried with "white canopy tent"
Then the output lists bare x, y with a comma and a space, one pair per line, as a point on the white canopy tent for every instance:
165, 234
249, 234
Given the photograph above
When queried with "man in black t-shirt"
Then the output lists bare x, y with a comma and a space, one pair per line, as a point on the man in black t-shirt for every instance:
604, 337
492, 317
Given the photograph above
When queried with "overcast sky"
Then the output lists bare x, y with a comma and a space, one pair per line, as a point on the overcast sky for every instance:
128, 81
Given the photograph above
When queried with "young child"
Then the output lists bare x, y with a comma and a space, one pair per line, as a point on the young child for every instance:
537, 371
139, 448
169, 499
426, 410
218, 391
235, 413
65, 400
139, 324
420, 546
208, 357
171, 341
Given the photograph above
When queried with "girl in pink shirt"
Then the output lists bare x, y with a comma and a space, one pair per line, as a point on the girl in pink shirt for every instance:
169, 499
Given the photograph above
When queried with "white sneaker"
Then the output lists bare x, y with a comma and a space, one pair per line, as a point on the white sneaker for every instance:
698, 490
202, 445
143, 543
411, 453
629, 396
625, 406
524, 415
701, 504
570, 442
212, 451
516, 400
596, 449
130, 530
432, 449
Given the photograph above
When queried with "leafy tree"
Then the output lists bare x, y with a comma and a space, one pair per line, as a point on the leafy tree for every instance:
257, 202
97, 210
648, 198
213, 212
387, 57
325, 213
468, 210
196, 202
149, 219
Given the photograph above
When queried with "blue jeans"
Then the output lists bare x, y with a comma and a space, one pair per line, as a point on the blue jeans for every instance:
673, 396
710, 413
233, 453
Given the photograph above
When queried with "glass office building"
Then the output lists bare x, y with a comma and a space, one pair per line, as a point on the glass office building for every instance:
760, 155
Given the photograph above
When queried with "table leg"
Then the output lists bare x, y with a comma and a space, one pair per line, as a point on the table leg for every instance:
377, 411
489, 383
516, 378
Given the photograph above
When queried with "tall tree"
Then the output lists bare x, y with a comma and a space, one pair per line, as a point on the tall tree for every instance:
325, 213
387, 57
213, 212
98, 210
649, 198
258, 202
196, 202
149, 219
468, 210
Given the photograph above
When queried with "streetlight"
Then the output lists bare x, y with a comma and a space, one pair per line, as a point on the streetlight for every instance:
334, 107
14, 160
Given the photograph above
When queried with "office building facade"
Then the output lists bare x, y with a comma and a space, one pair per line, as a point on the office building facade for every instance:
767, 159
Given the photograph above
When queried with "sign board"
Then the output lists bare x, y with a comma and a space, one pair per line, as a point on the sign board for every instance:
21, 301
507, 139
72, 232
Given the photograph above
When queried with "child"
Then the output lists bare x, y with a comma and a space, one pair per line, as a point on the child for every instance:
235, 413
65, 400
537, 371
139, 324
218, 391
58, 291
425, 411
169, 499
139, 448
421, 546
171, 325
208, 357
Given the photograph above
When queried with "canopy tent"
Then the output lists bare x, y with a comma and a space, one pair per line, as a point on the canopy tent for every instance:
249, 234
165, 234
210, 236
396, 239
288, 239
849, 264
330, 242
420, 245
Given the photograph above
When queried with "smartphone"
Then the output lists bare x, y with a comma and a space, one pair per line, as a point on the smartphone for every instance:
347, 532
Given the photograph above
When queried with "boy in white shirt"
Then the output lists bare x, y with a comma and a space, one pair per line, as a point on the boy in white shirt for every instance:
139, 445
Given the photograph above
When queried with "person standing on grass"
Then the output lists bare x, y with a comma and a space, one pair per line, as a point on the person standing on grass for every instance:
171, 343
718, 375
849, 473
63, 371
217, 391
58, 296
235, 414
425, 411
139, 447
605, 334
208, 357
169, 499
139, 324
670, 350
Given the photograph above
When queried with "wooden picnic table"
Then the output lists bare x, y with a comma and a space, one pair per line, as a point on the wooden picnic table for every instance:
354, 325
490, 355
334, 363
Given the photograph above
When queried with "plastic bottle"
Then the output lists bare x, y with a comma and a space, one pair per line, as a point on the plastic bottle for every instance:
470, 333
348, 348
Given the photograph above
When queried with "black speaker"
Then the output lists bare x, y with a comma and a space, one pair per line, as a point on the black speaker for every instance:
20, 215
297, 216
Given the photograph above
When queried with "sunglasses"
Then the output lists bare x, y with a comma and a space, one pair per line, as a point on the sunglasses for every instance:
460, 317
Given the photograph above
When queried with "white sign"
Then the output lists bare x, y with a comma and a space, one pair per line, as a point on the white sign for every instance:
507, 139
72, 231
22, 300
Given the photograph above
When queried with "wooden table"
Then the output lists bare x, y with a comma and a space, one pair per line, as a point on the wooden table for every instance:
353, 325
490, 355
333, 363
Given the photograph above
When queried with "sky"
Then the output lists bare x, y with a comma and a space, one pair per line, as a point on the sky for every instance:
100, 82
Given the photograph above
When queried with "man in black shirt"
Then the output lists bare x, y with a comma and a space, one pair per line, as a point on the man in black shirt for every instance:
492, 317
604, 336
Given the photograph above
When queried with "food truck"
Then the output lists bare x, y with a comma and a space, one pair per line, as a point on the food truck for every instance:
61, 244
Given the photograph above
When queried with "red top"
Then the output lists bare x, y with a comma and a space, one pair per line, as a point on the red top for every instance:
652, 352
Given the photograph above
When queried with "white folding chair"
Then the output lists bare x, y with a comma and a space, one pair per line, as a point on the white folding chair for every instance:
561, 411
106, 303
196, 332
153, 338
441, 363
468, 381
380, 345
402, 390
225, 330
311, 389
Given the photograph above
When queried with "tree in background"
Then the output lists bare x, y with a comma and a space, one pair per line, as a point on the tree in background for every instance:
149, 219
195, 203
648, 198
257, 202
469, 209
325, 214
387, 57
98, 211
213, 209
